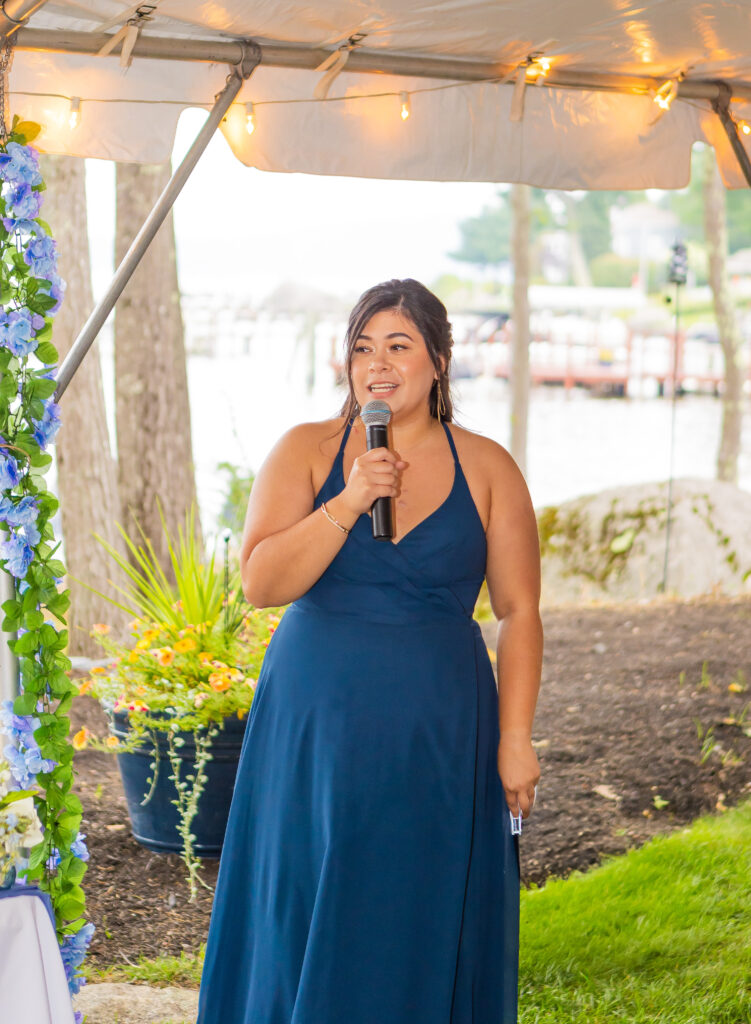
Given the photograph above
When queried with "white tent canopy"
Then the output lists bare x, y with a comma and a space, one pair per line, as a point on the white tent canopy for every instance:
586, 124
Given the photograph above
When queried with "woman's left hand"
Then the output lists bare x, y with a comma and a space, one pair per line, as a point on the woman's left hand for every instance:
519, 771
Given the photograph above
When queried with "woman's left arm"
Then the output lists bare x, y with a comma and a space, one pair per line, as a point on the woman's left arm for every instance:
513, 576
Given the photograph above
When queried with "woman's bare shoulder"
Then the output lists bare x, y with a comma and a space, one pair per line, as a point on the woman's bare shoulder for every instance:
480, 452
314, 437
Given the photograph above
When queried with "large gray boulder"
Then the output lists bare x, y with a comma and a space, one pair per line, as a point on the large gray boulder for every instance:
610, 546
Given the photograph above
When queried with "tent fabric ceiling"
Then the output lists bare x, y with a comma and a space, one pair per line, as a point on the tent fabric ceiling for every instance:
567, 138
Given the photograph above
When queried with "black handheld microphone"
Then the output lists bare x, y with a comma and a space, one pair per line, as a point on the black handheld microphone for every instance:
376, 415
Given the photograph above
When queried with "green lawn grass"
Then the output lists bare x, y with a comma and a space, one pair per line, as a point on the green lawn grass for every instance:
660, 934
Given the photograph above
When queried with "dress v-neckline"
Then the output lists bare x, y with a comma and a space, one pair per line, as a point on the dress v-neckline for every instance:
435, 511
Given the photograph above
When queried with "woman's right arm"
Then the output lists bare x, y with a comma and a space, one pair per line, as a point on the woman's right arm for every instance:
286, 547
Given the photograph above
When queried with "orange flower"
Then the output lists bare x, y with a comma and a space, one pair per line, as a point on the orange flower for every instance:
100, 627
112, 741
219, 682
165, 656
81, 738
204, 656
150, 634
99, 670
85, 685
186, 644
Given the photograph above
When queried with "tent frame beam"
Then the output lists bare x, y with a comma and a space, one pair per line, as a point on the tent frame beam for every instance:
13, 14
242, 71
291, 55
721, 107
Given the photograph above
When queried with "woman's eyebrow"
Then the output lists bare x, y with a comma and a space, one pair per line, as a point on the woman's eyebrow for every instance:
396, 334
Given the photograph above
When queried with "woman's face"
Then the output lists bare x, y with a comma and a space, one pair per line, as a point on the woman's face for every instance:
390, 361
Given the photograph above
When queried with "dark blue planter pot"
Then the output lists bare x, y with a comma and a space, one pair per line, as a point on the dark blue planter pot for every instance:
155, 824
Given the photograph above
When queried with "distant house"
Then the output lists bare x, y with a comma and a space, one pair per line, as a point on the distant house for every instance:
643, 231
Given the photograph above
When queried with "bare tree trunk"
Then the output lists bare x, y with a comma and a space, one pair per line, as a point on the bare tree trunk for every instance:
716, 237
579, 268
520, 337
86, 470
155, 452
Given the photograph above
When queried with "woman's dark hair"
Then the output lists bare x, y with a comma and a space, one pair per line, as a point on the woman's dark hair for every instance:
427, 313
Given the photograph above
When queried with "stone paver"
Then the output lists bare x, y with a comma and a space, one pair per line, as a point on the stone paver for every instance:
114, 1003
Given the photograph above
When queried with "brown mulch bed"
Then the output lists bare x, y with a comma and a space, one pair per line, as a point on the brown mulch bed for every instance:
621, 692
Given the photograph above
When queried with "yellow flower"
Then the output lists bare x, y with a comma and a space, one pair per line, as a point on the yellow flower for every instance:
85, 685
133, 656
150, 634
112, 741
142, 644
241, 713
736, 688
186, 644
81, 738
100, 627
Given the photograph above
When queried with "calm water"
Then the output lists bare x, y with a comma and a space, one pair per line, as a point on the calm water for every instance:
241, 404
577, 444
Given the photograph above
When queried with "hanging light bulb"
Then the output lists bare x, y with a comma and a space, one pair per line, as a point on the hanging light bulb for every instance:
250, 118
538, 67
74, 117
666, 94
745, 127
404, 98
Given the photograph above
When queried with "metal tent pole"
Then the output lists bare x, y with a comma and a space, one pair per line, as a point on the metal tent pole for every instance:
9, 681
296, 55
13, 13
241, 72
721, 107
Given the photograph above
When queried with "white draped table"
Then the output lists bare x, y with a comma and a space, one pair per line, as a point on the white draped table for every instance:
33, 986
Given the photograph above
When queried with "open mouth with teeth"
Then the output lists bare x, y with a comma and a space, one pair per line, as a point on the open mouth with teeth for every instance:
381, 389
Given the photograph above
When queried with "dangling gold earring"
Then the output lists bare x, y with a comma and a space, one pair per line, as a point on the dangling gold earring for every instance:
440, 404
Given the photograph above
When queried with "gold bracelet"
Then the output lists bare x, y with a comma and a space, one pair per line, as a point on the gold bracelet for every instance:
331, 518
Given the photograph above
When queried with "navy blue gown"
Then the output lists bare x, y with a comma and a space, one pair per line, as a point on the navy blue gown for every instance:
369, 874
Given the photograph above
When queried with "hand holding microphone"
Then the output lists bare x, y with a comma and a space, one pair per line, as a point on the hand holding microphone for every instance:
375, 476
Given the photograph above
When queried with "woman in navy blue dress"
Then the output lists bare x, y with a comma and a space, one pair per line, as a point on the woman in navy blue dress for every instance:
369, 873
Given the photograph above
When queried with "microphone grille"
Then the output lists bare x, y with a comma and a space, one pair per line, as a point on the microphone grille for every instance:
376, 413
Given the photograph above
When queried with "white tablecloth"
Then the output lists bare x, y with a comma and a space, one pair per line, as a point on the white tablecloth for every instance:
33, 987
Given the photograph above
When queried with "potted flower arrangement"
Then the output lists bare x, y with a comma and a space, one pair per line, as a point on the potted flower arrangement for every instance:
177, 693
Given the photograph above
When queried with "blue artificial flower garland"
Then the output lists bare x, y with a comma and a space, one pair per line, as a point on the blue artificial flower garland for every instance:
34, 728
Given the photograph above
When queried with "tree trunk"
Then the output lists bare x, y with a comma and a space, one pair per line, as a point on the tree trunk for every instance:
579, 268
520, 336
716, 237
86, 469
155, 452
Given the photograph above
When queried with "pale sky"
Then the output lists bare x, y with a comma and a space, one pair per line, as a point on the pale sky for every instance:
245, 231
